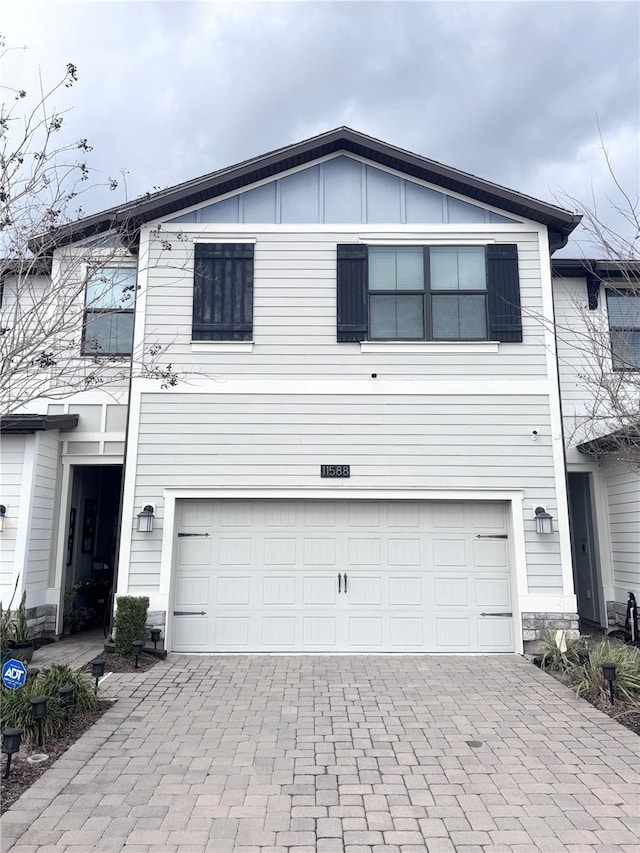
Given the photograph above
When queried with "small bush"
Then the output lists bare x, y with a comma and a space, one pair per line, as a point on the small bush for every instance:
16, 711
131, 619
560, 652
627, 661
60, 675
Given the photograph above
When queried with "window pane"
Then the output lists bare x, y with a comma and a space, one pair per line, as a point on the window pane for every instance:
444, 268
400, 268
461, 268
471, 268
397, 317
111, 287
623, 310
109, 333
459, 317
625, 347
382, 269
410, 268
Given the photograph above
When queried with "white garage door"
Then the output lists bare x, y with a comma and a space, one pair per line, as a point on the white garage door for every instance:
335, 576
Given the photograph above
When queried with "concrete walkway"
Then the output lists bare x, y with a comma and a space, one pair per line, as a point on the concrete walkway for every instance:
338, 755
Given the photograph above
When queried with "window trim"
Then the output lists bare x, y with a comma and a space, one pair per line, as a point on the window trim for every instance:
102, 311
621, 293
427, 294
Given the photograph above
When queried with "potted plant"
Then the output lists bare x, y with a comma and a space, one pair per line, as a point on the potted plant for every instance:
20, 645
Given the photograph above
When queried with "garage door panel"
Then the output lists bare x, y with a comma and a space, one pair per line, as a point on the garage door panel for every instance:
451, 592
364, 590
418, 576
319, 631
490, 553
493, 592
192, 591
318, 591
279, 591
405, 591
232, 591
453, 634
495, 633
231, 631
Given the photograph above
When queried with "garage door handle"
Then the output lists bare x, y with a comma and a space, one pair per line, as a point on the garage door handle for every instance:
345, 581
189, 613
339, 583
505, 615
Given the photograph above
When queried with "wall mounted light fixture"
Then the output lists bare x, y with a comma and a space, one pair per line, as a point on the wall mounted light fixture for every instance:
544, 521
145, 519
3, 513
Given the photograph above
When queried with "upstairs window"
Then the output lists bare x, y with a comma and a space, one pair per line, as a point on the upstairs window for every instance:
109, 308
223, 292
624, 327
431, 293
436, 293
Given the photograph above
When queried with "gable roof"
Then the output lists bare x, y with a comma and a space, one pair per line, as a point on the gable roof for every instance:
129, 217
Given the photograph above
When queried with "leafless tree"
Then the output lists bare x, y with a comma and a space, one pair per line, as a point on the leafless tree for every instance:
53, 293
606, 339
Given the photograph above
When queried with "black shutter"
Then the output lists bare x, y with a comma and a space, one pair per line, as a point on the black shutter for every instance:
223, 292
503, 294
352, 309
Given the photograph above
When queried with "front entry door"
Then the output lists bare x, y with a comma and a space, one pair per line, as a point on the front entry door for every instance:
586, 573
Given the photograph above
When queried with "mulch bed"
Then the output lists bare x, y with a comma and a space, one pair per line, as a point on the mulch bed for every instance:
23, 774
119, 663
620, 711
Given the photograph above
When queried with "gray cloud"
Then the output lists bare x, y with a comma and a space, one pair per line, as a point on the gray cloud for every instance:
508, 91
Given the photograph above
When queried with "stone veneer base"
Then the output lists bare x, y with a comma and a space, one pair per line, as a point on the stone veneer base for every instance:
536, 625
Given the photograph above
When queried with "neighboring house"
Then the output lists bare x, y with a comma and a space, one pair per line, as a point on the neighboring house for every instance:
368, 419
597, 306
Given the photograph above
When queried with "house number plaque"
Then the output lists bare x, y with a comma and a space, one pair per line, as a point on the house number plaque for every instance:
335, 470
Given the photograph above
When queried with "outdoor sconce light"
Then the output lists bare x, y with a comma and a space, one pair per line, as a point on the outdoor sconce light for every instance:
3, 513
39, 713
97, 671
544, 521
67, 696
155, 636
145, 519
609, 672
10, 744
137, 646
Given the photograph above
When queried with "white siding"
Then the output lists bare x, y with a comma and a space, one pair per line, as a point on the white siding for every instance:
11, 467
295, 312
394, 441
623, 497
42, 512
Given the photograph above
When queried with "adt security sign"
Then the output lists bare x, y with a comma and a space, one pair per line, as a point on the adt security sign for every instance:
14, 674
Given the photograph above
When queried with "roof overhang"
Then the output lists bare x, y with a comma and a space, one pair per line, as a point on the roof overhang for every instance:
128, 218
25, 424
617, 273
620, 441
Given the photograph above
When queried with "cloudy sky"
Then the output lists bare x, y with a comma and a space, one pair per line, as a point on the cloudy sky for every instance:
511, 91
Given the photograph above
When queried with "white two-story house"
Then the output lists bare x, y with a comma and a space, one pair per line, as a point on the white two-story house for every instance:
364, 449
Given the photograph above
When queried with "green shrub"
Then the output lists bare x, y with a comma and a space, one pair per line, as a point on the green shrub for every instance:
560, 653
131, 619
15, 711
60, 675
627, 661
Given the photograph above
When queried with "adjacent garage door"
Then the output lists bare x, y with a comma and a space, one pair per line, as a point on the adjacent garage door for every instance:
341, 576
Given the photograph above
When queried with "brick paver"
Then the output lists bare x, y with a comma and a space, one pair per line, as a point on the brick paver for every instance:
338, 755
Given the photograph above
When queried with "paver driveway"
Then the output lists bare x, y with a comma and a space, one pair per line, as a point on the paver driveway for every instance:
357, 754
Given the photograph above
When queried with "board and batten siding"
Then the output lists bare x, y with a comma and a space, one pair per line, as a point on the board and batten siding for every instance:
623, 500
11, 476
295, 311
193, 440
42, 512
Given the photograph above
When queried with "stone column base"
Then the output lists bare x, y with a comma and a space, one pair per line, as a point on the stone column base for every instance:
536, 625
